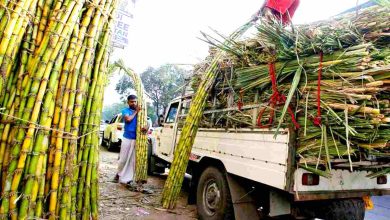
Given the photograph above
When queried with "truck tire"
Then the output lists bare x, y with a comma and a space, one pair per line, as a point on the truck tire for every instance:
343, 209
213, 199
110, 145
104, 141
150, 161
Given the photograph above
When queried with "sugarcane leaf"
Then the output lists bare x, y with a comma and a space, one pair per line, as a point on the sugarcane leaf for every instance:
334, 141
294, 86
326, 147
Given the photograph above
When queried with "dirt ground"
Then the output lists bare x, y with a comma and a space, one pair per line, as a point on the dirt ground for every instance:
117, 202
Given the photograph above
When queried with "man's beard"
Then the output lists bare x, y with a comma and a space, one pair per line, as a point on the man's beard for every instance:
132, 107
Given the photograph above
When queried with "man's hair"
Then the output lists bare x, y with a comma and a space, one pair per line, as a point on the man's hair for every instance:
131, 97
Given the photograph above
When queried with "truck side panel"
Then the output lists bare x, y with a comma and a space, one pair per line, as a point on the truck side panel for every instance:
254, 155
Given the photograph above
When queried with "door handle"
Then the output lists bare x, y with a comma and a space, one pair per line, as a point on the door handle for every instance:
171, 126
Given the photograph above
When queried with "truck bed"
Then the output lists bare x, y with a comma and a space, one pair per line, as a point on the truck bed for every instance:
255, 155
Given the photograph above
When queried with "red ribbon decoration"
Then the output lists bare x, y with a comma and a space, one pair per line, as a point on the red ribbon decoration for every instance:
275, 100
317, 120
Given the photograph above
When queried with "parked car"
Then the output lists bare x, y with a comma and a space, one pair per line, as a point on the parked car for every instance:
113, 132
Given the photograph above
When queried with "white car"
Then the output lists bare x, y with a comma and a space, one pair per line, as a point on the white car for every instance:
113, 132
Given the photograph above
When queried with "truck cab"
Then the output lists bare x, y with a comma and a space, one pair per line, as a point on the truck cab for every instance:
247, 173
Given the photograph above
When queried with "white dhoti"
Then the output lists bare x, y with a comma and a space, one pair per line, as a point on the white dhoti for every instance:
126, 163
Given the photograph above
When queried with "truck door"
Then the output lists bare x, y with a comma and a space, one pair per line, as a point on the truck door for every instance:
167, 133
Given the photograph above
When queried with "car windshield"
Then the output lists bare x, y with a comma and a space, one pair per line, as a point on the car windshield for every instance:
119, 119
172, 113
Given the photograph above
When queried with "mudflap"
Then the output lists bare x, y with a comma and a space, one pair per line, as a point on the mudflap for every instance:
243, 203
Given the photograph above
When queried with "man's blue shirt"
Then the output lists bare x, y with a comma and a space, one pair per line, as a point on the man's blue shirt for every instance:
130, 127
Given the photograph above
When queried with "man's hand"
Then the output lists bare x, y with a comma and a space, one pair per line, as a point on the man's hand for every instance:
144, 130
138, 108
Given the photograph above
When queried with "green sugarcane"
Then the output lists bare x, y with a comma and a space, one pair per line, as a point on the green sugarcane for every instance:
13, 27
42, 140
47, 56
45, 7
83, 154
93, 149
94, 176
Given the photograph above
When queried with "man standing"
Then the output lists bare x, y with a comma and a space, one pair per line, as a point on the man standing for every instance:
126, 166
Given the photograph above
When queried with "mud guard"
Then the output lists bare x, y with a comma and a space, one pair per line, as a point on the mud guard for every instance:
243, 203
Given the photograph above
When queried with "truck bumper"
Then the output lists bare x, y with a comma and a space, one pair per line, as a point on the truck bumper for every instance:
343, 194
341, 184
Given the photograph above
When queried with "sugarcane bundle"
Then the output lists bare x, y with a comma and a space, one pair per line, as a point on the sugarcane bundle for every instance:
182, 151
54, 57
334, 77
141, 167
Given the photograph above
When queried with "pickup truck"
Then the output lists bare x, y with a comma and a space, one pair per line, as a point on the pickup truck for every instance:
246, 173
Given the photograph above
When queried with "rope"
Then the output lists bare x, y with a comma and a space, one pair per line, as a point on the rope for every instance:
275, 100
38, 126
317, 120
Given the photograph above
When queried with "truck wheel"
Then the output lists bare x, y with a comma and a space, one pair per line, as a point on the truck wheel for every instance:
110, 145
343, 209
104, 141
213, 199
150, 161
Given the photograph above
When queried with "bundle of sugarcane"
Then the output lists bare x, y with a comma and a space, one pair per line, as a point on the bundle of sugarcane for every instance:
141, 167
342, 114
175, 178
53, 59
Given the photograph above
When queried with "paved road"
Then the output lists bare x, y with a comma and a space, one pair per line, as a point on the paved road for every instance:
381, 209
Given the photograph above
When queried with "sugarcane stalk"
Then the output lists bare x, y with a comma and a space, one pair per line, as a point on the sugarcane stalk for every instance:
42, 140
94, 176
179, 164
352, 108
87, 148
42, 72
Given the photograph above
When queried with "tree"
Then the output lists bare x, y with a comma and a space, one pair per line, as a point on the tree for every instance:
113, 109
125, 87
161, 85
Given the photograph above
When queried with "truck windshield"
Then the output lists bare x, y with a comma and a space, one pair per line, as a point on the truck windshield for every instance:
172, 113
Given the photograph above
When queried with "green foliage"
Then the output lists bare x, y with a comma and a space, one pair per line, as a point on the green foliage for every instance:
385, 3
161, 84
125, 87
152, 113
113, 109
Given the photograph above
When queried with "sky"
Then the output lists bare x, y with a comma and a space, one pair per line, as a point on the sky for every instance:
167, 31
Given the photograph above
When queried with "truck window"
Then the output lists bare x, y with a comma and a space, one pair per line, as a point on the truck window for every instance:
172, 113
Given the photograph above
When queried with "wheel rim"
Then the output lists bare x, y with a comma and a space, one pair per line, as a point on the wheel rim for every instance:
211, 197
109, 143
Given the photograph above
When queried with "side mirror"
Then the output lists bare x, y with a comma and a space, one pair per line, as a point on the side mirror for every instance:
160, 120
107, 121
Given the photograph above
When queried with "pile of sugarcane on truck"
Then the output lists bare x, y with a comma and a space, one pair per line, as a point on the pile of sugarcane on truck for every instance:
296, 122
